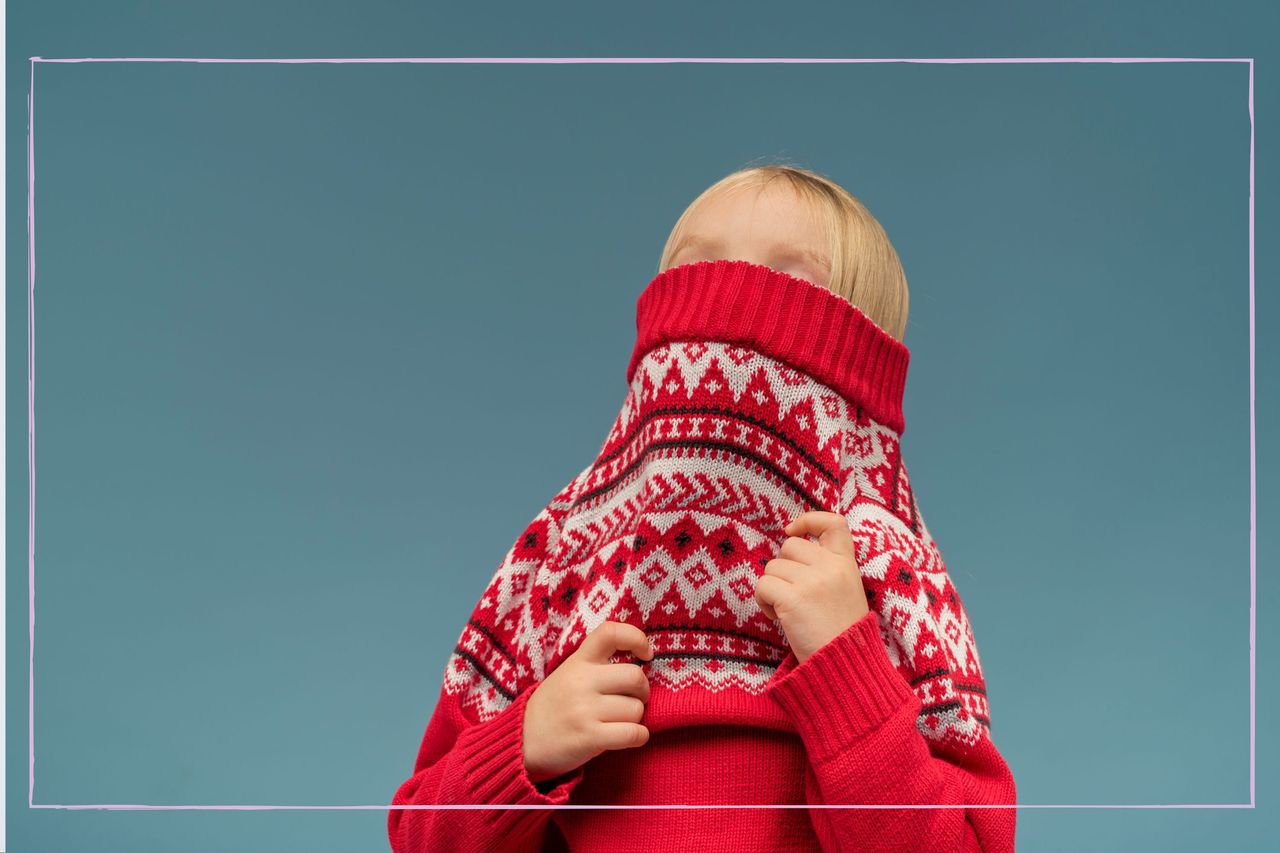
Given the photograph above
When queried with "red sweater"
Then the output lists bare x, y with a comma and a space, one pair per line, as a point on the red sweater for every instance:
752, 396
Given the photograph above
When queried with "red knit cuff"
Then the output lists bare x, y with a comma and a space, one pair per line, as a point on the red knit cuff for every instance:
842, 691
491, 756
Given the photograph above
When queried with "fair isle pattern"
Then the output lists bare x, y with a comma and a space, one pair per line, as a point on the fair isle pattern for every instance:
716, 447
922, 619
497, 655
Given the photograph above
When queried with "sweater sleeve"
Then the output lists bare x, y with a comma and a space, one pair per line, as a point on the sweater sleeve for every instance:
894, 710
464, 762
857, 717
472, 750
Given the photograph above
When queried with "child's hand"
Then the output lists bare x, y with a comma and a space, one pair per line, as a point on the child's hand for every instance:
587, 705
813, 588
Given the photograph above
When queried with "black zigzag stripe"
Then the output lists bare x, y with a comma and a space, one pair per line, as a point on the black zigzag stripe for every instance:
484, 673
718, 411
700, 629
497, 644
925, 676
767, 664
707, 445
969, 688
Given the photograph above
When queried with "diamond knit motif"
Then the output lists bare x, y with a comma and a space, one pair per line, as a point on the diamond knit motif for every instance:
752, 397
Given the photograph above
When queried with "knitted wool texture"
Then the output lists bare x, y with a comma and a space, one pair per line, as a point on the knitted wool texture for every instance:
753, 396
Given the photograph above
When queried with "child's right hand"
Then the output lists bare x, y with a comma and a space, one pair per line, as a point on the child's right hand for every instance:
587, 705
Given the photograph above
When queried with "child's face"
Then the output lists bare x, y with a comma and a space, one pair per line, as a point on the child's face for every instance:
771, 226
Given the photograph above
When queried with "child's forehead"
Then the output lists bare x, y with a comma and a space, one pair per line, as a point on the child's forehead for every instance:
789, 219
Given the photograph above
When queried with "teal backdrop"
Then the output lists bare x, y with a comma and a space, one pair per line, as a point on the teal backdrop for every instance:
313, 342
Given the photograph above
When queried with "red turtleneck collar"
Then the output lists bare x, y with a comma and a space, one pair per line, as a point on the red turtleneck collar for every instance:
788, 318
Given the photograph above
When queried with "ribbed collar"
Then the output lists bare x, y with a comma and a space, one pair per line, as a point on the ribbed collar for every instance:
787, 318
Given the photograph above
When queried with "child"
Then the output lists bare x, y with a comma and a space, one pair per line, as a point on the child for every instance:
763, 408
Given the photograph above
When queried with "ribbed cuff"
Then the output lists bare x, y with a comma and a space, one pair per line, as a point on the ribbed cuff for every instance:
842, 691
793, 320
492, 757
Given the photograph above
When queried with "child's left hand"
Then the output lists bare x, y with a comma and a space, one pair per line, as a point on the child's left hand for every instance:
813, 588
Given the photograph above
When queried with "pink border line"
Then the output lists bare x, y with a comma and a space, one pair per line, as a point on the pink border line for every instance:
31, 459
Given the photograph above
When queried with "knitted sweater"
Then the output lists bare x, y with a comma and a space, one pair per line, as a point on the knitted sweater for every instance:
753, 396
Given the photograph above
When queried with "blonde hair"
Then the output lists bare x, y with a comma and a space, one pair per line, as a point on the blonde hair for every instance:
865, 268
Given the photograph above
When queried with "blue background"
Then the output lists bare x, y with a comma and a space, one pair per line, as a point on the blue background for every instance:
314, 342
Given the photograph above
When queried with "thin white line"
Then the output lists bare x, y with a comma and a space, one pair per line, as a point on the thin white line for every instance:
618, 60
527, 806
1253, 492
558, 60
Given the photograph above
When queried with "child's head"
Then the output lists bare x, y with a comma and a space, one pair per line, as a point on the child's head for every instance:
798, 222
